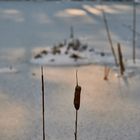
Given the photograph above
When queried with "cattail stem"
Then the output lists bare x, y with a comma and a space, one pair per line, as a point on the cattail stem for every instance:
76, 102
76, 77
43, 103
76, 121
134, 30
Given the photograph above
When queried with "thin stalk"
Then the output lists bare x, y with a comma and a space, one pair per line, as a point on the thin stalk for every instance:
109, 36
76, 120
43, 103
77, 77
71, 32
120, 56
76, 102
134, 31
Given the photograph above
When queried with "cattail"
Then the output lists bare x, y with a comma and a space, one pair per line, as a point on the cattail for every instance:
77, 94
77, 103
43, 102
77, 97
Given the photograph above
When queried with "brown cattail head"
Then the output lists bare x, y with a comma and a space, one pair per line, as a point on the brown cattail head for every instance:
77, 97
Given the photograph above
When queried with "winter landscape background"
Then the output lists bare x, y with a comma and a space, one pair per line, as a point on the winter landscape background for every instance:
110, 110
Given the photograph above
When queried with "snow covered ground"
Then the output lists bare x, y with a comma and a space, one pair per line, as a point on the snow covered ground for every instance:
110, 110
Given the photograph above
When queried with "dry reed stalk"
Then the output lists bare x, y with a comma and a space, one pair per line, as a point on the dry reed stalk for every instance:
109, 36
77, 103
71, 32
134, 31
43, 102
122, 68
